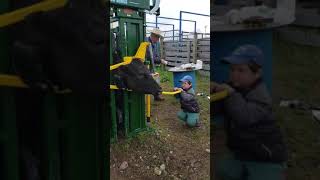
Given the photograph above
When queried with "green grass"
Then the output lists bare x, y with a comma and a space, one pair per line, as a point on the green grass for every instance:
165, 76
296, 76
296, 71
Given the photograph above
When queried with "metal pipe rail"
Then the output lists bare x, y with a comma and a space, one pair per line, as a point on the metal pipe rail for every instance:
180, 22
218, 96
18, 15
180, 18
167, 24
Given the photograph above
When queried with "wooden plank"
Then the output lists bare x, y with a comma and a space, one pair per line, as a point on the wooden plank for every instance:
176, 48
171, 63
194, 48
176, 54
170, 53
176, 41
205, 55
176, 44
203, 43
204, 48
189, 52
161, 49
177, 59
205, 60
175, 64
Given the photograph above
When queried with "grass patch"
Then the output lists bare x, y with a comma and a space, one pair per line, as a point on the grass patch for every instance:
165, 76
296, 76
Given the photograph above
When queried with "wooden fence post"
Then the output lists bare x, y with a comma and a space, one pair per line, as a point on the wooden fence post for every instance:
162, 48
195, 47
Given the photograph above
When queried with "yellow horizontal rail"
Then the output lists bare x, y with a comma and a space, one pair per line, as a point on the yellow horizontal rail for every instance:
127, 60
19, 15
16, 82
218, 96
114, 87
12, 81
171, 93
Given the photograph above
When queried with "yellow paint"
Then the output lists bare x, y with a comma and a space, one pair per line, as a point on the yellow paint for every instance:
114, 87
19, 15
126, 61
148, 106
141, 53
218, 96
11, 81
171, 93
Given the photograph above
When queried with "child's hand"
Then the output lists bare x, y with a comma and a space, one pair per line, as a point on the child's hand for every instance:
215, 87
177, 89
227, 87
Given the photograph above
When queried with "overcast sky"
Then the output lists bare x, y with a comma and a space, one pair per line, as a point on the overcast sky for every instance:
171, 8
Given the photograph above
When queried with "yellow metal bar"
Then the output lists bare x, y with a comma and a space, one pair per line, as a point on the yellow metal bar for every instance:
11, 81
18, 15
148, 107
218, 96
16, 82
114, 87
127, 60
141, 53
171, 93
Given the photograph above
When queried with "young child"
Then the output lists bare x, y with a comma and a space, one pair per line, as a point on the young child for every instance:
257, 149
189, 106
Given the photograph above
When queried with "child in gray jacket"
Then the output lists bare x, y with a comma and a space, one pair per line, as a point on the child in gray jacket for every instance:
189, 106
257, 148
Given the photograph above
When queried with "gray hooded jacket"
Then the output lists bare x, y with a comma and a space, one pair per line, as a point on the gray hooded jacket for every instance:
250, 125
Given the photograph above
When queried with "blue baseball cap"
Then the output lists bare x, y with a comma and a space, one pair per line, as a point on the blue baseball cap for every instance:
186, 78
245, 54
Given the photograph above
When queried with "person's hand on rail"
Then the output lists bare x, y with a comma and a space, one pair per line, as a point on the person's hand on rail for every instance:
164, 62
215, 87
177, 89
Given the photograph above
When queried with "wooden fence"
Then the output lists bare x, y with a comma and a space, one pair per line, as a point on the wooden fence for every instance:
187, 51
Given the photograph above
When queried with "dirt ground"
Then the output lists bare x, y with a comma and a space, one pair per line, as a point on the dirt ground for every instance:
182, 152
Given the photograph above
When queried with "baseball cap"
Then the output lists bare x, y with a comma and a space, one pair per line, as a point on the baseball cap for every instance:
186, 78
245, 54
